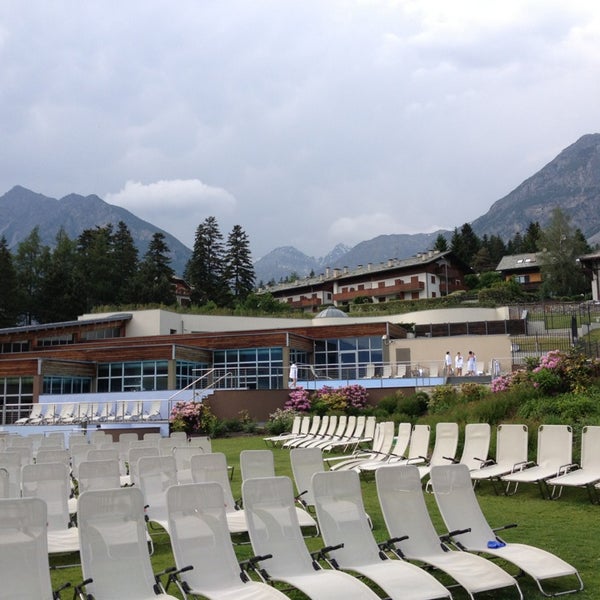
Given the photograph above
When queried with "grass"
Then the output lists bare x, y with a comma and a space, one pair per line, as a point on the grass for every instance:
567, 527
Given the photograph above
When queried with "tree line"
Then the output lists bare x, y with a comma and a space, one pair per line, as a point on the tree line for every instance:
559, 245
103, 267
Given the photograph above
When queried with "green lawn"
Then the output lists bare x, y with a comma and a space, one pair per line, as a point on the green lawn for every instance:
567, 527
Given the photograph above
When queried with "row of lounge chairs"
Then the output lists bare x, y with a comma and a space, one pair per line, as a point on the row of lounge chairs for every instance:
552, 470
114, 544
92, 412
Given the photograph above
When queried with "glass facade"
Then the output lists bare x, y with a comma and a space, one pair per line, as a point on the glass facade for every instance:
187, 372
15, 391
54, 384
132, 376
348, 358
253, 368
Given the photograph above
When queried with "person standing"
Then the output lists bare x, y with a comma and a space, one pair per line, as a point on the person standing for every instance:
458, 364
448, 364
293, 374
471, 364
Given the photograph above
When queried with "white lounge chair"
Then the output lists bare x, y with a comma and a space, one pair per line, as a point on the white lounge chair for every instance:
114, 547
399, 450
154, 411
261, 463
587, 475
444, 448
133, 457
554, 458
24, 566
325, 434
213, 467
305, 462
345, 438
51, 482
317, 431
183, 461
511, 449
274, 440
476, 445
3, 482
98, 475
200, 539
335, 434
315, 423
274, 529
35, 414
346, 531
471, 532
155, 475
408, 522
10, 463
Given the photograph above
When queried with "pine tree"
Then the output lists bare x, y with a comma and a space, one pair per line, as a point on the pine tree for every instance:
61, 286
30, 262
9, 290
239, 270
531, 238
154, 283
205, 269
441, 243
562, 246
125, 255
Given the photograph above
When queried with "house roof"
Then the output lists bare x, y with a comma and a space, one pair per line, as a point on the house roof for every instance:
517, 262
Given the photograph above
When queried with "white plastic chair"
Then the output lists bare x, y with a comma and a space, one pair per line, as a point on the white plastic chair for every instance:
155, 475
273, 440
444, 448
261, 463
114, 548
476, 445
200, 538
587, 475
471, 532
345, 529
213, 467
407, 520
554, 458
511, 449
51, 483
24, 566
274, 529
98, 475
399, 450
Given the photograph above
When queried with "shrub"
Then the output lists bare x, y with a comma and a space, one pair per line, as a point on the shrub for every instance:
389, 404
442, 398
298, 400
414, 405
192, 417
280, 421
472, 391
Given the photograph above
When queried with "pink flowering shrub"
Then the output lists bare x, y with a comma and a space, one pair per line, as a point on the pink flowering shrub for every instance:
356, 396
298, 401
192, 417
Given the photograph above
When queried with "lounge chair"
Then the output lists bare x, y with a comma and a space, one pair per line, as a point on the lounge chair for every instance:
409, 524
471, 532
133, 456
183, 462
326, 432
511, 449
10, 463
98, 475
317, 430
114, 547
35, 414
554, 458
398, 451
587, 475
273, 440
382, 445
352, 424
3, 482
476, 445
315, 423
200, 539
154, 411
305, 462
444, 448
346, 531
335, 433
52, 483
418, 449
24, 567
261, 463
274, 529
155, 475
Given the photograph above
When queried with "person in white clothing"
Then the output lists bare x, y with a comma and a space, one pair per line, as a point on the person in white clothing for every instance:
471, 364
458, 364
448, 364
293, 374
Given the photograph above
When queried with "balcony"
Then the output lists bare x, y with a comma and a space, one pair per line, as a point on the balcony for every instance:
376, 292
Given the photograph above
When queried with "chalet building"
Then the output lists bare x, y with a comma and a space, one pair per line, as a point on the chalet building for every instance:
591, 262
427, 275
525, 269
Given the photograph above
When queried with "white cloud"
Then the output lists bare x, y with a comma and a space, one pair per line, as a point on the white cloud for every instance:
177, 206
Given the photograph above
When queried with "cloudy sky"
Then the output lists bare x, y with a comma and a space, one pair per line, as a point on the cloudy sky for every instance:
307, 122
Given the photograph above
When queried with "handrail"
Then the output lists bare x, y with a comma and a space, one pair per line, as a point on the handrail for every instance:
189, 385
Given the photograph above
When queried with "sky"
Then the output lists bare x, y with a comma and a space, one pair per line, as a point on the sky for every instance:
309, 123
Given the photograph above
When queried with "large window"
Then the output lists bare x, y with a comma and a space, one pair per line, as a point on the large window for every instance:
54, 384
18, 392
187, 372
133, 376
348, 358
253, 368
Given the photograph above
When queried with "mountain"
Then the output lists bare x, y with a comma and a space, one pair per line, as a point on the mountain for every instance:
21, 210
570, 181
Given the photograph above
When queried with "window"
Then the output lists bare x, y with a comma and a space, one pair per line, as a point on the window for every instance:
347, 358
16, 396
101, 334
56, 384
253, 368
132, 376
